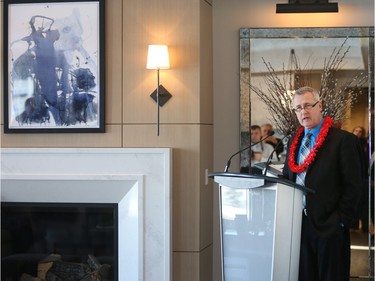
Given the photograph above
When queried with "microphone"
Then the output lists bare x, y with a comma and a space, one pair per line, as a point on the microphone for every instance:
271, 133
269, 160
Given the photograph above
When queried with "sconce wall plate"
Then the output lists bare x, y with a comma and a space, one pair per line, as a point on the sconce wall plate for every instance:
164, 95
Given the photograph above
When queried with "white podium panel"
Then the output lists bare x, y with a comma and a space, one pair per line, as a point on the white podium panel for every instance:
260, 227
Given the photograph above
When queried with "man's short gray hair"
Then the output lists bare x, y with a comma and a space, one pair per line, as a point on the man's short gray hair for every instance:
307, 89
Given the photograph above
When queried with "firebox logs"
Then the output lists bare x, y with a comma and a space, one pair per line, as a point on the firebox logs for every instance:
53, 268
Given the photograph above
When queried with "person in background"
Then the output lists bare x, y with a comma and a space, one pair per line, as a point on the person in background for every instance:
360, 132
327, 160
272, 140
262, 150
362, 223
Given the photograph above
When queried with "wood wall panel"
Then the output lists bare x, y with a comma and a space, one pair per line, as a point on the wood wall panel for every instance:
112, 138
205, 264
175, 23
186, 266
206, 187
113, 65
190, 266
206, 64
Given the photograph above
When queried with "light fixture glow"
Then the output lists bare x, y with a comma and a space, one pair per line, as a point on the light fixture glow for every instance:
158, 58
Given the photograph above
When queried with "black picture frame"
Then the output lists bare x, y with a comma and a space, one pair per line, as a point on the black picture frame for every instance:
53, 66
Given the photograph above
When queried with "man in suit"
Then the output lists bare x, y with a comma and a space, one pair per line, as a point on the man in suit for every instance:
332, 168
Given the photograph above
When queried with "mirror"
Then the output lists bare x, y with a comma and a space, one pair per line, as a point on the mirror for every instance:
300, 56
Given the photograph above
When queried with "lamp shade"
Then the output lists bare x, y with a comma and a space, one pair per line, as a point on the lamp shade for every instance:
157, 57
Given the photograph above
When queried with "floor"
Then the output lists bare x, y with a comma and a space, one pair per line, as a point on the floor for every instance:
362, 258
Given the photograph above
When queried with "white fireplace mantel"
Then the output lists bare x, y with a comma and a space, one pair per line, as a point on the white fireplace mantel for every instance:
137, 179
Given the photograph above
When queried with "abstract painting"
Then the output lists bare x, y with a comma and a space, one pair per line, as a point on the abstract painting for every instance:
53, 66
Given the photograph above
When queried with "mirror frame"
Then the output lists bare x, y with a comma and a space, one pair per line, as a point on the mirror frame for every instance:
247, 34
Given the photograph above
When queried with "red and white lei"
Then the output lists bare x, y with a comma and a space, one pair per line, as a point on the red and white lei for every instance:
327, 124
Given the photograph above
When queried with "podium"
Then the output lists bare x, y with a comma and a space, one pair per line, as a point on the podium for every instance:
260, 227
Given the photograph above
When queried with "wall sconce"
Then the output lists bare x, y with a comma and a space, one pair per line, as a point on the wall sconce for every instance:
158, 58
307, 6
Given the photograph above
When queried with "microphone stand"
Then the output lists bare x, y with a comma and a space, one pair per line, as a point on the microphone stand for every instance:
269, 160
247, 147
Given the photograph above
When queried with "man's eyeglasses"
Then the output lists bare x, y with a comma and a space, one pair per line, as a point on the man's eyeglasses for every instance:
305, 107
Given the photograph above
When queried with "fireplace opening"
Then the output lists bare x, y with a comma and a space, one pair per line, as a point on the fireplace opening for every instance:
59, 241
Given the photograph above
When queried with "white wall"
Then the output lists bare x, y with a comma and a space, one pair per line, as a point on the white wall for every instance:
228, 17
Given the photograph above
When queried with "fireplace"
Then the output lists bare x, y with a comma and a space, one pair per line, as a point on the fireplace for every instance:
38, 237
131, 187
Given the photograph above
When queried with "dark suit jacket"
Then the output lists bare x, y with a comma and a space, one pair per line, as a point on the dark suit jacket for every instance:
336, 177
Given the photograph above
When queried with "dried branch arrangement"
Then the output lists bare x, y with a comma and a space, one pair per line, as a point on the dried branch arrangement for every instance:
337, 96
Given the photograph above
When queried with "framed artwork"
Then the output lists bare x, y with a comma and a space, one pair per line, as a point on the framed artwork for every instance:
53, 66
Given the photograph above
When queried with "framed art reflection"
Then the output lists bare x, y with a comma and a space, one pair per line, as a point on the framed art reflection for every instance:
54, 66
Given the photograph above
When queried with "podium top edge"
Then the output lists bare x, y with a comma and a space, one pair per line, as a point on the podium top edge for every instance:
262, 177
